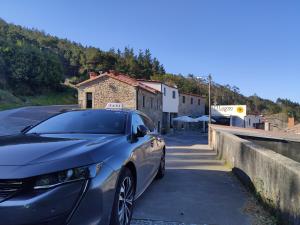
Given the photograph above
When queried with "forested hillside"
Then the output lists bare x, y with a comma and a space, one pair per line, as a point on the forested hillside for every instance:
34, 64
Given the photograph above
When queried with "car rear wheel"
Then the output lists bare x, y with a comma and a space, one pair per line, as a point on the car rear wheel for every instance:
162, 167
124, 199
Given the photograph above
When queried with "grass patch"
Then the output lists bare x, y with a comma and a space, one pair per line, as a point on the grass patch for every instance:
9, 101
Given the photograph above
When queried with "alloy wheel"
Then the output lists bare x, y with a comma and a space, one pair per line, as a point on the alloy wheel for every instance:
125, 204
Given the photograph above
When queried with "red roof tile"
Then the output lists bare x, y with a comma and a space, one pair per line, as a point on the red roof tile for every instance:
123, 78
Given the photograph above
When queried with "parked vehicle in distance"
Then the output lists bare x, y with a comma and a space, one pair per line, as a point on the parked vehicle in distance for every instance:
79, 167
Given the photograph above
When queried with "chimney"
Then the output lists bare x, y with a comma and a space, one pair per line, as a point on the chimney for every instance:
291, 122
93, 75
116, 73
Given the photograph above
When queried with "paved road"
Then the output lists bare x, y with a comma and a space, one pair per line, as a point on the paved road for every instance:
197, 189
12, 121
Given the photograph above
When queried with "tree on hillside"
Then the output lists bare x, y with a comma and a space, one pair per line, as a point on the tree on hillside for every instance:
29, 70
3, 77
289, 107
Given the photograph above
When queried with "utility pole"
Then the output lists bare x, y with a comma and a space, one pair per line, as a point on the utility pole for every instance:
209, 97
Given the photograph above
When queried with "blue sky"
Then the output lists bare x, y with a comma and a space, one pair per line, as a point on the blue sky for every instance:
254, 45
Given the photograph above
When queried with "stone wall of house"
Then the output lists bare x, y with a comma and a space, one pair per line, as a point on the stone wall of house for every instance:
105, 90
191, 109
151, 105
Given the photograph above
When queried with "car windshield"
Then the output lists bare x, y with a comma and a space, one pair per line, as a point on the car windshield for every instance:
92, 121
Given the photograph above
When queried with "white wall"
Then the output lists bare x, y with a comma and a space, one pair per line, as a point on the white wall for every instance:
170, 104
154, 85
250, 120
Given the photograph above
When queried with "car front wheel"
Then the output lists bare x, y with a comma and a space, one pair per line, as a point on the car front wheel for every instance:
162, 167
124, 198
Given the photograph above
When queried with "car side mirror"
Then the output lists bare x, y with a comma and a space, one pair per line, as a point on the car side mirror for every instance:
26, 128
141, 131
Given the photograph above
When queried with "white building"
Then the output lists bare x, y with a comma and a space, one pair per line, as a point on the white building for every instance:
170, 101
169, 93
252, 121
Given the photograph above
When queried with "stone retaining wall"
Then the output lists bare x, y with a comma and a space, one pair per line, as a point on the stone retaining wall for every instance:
275, 178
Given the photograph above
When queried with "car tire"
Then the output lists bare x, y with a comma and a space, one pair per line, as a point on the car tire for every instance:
124, 199
162, 167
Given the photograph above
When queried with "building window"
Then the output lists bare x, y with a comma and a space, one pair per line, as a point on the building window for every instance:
192, 101
199, 101
165, 91
183, 99
151, 103
174, 94
89, 100
144, 101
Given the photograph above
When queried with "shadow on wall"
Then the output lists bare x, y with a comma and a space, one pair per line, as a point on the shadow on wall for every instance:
275, 211
276, 179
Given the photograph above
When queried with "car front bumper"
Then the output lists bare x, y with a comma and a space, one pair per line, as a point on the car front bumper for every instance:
78, 203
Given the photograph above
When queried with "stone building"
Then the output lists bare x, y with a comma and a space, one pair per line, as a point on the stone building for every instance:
113, 87
159, 101
191, 105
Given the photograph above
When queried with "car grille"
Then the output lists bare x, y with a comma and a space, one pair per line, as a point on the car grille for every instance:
8, 188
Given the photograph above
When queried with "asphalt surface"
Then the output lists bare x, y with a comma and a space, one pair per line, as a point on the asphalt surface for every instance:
197, 189
14, 120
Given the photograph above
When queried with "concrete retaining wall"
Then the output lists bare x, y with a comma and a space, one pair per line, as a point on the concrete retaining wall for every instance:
275, 178
290, 149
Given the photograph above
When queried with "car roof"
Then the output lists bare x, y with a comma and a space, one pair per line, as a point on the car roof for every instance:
125, 111
129, 111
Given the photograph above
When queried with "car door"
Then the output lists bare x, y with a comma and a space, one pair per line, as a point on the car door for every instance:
143, 154
155, 147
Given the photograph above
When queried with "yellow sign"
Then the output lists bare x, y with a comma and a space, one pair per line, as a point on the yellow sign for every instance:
240, 109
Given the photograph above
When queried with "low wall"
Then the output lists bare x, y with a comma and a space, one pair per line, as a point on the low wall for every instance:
290, 149
275, 178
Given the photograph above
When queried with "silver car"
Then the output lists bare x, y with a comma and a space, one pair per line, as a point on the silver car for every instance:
79, 167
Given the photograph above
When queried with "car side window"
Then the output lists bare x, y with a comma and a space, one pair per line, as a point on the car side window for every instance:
136, 121
148, 123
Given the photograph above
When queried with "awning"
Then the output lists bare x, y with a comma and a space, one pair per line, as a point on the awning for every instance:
204, 118
185, 119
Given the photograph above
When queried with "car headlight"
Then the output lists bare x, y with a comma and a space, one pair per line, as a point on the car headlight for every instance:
67, 176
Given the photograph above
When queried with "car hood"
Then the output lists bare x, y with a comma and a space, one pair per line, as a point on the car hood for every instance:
57, 151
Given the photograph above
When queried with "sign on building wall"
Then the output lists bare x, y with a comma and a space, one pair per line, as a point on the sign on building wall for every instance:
229, 110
